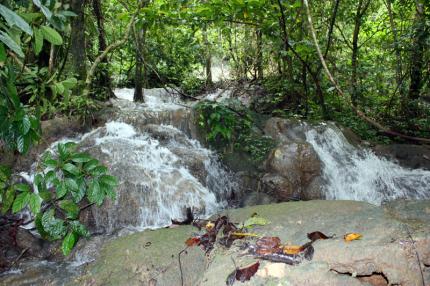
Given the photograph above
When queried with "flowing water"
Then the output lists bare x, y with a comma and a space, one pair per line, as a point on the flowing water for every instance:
353, 173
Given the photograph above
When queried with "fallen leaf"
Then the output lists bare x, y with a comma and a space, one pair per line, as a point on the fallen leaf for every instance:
210, 225
255, 220
318, 235
268, 242
192, 241
292, 249
352, 236
243, 274
243, 234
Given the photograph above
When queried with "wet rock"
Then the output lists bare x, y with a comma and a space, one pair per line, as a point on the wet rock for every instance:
407, 155
33, 245
290, 130
293, 166
385, 251
256, 198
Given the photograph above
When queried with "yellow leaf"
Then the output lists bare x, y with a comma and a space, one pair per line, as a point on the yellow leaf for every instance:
352, 236
245, 234
210, 225
292, 249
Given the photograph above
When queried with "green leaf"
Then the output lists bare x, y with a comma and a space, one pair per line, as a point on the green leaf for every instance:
35, 202
53, 226
70, 83
2, 53
91, 165
50, 176
99, 170
25, 125
109, 180
255, 220
44, 9
79, 228
11, 44
79, 194
23, 143
8, 200
71, 184
94, 194
61, 190
14, 19
71, 209
69, 242
72, 169
39, 226
62, 150
21, 201
51, 35
38, 41
22, 188
81, 158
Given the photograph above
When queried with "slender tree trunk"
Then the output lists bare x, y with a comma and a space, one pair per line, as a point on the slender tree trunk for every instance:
208, 57
259, 54
399, 68
361, 10
139, 74
78, 51
287, 61
104, 77
417, 51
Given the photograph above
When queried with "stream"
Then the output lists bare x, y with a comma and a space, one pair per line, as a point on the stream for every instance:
162, 168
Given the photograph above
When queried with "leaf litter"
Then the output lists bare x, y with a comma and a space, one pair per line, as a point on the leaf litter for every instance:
265, 248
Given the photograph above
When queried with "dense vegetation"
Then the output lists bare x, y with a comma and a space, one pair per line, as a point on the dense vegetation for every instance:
65, 57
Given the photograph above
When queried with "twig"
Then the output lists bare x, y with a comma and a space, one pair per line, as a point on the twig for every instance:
19, 256
180, 265
416, 253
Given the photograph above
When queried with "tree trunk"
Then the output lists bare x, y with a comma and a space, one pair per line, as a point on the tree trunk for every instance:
399, 68
417, 51
104, 77
139, 74
259, 54
208, 57
78, 51
361, 10
286, 59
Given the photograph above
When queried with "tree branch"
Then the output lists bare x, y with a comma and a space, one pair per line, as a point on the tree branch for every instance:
369, 120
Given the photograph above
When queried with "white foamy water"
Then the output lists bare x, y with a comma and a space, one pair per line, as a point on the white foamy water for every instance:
156, 184
358, 174
155, 99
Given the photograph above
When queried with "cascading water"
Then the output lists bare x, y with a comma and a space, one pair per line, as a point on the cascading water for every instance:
353, 173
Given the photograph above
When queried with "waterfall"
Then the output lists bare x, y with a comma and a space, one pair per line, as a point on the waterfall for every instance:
353, 173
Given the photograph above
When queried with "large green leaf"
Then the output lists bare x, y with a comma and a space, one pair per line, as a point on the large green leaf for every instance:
109, 180
79, 228
53, 226
69, 242
11, 44
38, 41
2, 53
45, 10
94, 193
72, 169
70, 208
14, 19
51, 35
21, 201
8, 200
35, 203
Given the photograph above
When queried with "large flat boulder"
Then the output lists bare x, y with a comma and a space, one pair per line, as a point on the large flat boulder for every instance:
393, 237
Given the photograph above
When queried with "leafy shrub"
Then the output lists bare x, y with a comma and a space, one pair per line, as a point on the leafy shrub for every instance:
226, 126
65, 180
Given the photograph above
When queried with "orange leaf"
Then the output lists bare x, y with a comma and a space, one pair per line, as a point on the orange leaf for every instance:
192, 241
352, 236
292, 249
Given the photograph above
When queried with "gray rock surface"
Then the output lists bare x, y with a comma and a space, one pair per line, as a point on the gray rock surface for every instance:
393, 236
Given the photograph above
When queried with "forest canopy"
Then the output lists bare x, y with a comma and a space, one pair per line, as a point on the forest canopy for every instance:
63, 57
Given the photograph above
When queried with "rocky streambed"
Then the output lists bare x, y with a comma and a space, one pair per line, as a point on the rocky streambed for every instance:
154, 150
394, 250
